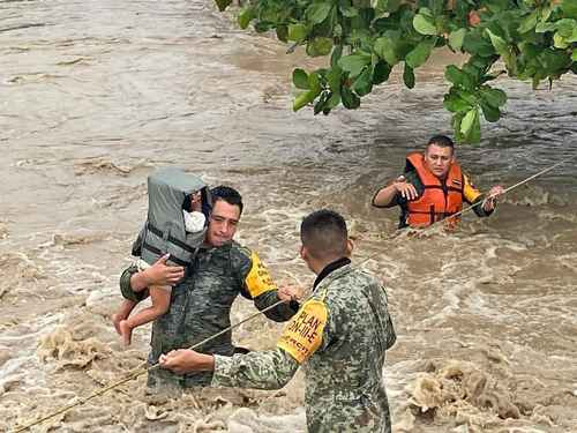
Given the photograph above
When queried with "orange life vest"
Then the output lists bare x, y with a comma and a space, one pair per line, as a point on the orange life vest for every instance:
438, 200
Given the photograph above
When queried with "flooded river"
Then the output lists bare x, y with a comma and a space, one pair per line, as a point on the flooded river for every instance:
95, 94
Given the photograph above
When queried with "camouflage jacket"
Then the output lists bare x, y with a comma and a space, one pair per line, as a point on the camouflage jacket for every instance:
340, 336
200, 307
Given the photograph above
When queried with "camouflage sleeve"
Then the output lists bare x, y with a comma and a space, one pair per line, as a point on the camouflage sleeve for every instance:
258, 285
391, 335
282, 312
125, 287
261, 370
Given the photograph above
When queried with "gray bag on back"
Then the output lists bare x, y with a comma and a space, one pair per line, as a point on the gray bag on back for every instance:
164, 232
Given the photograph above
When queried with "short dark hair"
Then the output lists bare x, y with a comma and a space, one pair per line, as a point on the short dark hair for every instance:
228, 194
442, 141
324, 234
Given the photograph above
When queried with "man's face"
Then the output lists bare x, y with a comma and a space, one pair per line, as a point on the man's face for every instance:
222, 223
439, 159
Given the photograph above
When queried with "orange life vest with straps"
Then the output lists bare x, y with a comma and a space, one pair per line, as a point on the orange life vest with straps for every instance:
439, 199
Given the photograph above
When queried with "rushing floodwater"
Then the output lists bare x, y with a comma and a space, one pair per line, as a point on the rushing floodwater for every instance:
95, 94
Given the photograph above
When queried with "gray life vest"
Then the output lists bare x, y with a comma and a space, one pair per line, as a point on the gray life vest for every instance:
169, 191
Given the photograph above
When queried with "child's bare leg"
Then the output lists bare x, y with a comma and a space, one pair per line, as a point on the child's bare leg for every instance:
160, 297
122, 313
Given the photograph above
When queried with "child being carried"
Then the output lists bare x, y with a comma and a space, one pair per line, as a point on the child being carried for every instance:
178, 207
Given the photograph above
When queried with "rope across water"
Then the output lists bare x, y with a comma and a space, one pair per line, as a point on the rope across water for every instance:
142, 369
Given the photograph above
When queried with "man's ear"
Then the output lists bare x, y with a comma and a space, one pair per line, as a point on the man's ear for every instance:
350, 247
304, 253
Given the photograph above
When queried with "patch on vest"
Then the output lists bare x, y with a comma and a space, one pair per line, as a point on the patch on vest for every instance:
258, 280
456, 182
304, 333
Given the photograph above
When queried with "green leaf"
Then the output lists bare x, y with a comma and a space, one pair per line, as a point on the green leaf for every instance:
494, 97
300, 79
390, 6
318, 12
381, 72
297, 32
456, 124
469, 128
303, 99
282, 33
530, 21
569, 8
459, 77
545, 27
499, 43
559, 41
314, 83
426, 12
333, 101
354, 63
468, 121
320, 105
363, 84
554, 61
573, 37
245, 17
420, 54
409, 77
453, 74
492, 114
338, 30
319, 46
385, 48
565, 27
496, 6
424, 25
349, 11
467, 95
350, 100
475, 134
456, 39
475, 44
336, 55
574, 55
334, 79
454, 103
223, 4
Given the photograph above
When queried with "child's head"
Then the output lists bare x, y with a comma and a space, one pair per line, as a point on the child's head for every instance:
196, 202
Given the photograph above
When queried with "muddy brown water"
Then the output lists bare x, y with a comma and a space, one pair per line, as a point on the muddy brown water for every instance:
95, 95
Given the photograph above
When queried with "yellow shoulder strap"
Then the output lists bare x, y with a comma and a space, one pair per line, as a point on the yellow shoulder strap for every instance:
470, 193
258, 280
303, 335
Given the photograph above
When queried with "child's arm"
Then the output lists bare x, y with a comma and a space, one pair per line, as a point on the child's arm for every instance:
133, 282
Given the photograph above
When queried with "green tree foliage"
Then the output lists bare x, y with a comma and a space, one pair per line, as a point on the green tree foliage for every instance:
531, 40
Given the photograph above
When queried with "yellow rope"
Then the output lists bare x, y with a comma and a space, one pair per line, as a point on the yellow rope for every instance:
508, 189
505, 191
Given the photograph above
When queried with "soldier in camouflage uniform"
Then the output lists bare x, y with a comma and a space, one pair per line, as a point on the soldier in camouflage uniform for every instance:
200, 304
340, 336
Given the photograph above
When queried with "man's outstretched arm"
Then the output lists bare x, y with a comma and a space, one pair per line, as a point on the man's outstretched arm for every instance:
271, 369
393, 194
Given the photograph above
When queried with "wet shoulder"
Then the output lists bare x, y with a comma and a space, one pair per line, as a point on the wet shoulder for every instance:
241, 258
348, 286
